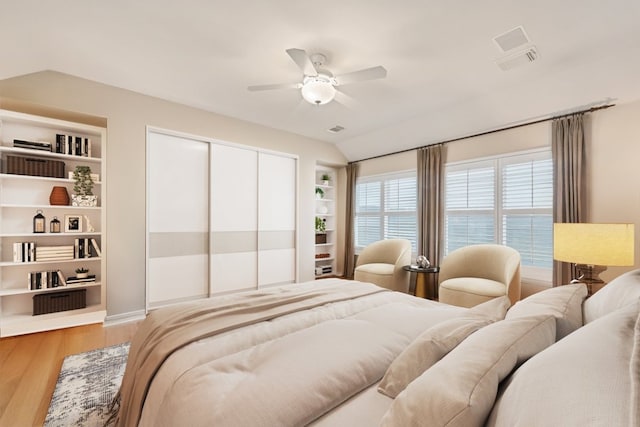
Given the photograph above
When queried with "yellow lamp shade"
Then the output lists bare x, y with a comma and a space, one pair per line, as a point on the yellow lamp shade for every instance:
594, 244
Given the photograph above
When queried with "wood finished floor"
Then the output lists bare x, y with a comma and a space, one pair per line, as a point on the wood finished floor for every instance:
29, 367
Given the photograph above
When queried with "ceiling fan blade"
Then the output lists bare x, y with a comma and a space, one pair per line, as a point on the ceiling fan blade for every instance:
303, 62
346, 100
275, 86
378, 72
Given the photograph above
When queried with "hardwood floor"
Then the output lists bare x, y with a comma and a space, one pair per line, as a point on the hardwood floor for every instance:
29, 367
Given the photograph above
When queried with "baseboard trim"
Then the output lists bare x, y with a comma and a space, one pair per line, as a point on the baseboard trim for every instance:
117, 319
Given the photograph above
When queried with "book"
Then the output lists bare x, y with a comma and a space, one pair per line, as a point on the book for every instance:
77, 149
96, 248
71, 280
70, 145
60, 143
61, 279
35, 145
87, 147
17, 252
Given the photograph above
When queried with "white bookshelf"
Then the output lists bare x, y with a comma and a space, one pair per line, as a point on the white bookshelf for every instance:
325, 210
20, 197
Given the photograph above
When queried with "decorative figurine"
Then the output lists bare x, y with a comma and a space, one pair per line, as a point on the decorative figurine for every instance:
422, 261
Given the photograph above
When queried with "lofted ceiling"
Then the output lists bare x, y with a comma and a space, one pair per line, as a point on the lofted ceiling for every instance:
443, 81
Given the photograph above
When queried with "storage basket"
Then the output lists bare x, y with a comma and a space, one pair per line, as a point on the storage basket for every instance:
34, 166
59, 301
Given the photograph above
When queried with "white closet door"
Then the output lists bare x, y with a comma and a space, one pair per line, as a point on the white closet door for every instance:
277, 177
234, 218
177, 219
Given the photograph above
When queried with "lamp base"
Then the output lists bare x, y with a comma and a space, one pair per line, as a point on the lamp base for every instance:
589, 275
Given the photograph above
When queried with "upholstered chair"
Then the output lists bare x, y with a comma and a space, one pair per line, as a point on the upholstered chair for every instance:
474, 274
381, 263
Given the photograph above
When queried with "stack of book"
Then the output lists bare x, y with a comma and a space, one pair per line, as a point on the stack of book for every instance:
32, 145
73, 145
54, 253
72, 280
45, 279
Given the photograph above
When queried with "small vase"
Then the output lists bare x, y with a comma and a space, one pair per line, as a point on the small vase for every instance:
59, 196
82, 275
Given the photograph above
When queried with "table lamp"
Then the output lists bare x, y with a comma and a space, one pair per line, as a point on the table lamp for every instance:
593, 247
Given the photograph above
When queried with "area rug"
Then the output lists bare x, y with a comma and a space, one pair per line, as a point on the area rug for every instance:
86, 385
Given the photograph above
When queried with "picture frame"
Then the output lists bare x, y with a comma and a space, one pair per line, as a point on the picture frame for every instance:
73, 223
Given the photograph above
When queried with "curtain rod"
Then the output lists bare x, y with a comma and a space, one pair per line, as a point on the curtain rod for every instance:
589, 110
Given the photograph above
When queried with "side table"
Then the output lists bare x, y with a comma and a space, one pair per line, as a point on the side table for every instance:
419, 287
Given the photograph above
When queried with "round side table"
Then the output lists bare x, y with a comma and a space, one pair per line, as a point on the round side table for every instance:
419, 287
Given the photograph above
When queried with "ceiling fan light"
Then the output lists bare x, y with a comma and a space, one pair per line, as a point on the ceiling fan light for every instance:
318, 91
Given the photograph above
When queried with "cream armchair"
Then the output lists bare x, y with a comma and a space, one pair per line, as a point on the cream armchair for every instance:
381, 263
477, 273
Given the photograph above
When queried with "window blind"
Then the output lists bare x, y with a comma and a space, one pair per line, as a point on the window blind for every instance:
506, 200
386, 208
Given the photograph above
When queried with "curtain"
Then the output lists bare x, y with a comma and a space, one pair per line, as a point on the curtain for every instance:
569, 192
430, 204
350, 212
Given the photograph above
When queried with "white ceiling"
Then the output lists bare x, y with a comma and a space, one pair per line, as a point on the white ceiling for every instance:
442, 79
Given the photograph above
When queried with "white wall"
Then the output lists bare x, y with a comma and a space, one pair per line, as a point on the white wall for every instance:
127, 114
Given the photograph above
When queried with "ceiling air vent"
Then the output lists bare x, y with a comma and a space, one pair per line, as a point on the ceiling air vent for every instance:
336, 129
512, 39
518, 58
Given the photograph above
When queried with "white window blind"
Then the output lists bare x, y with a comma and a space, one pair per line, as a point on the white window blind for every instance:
506, 200
386, 208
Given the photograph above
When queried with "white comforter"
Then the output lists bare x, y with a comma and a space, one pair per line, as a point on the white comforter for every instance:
290, 370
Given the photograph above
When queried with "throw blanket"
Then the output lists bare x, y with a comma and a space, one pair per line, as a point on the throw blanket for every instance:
167, 330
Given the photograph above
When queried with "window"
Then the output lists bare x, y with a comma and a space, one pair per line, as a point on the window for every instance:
386, 208
506, 200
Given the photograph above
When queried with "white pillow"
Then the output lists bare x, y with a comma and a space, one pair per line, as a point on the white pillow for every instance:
460, 389
621, 291
436, 342
634, 371
563, 302
582, 380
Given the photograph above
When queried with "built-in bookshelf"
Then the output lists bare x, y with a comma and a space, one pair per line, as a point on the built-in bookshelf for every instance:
38, 154
325, 221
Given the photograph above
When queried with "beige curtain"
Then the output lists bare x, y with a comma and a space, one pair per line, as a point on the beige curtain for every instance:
569, 191
350, 213
430, 202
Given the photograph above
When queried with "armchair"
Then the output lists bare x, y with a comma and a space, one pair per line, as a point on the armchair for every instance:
474, 274
381, 263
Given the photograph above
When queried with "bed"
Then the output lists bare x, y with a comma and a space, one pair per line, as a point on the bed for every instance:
334, 352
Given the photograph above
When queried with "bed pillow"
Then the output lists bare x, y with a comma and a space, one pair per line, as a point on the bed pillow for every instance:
461, 388
585, 379
622, 290
436, 342
634, 371
563, 302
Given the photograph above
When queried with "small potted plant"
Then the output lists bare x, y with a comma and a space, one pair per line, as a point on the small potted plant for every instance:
325, 179
82, 273
83, 188
321, 227
319, 193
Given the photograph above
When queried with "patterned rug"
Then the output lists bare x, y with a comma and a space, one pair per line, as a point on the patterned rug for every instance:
86, 385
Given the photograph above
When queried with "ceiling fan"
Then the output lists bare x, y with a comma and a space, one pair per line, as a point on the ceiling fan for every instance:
318, 85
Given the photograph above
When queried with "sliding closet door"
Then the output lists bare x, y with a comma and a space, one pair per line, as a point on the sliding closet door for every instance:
277, 177
234, 218
177, 219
